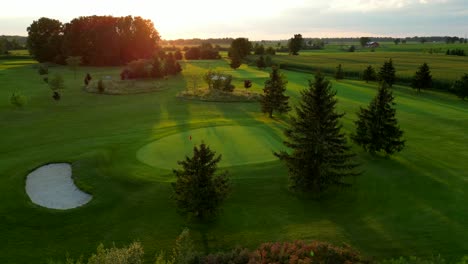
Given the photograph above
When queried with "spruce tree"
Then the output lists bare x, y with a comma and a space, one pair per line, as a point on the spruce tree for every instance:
261, 62
369, 74
387, 73
273, 98
319, 156
460, 87
422, 78
198, 190
339, 74
377, 128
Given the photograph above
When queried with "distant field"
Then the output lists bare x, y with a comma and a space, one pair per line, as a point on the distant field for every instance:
444, 68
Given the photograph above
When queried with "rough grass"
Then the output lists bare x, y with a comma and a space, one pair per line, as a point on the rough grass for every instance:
119, 87
413, 203
219, 96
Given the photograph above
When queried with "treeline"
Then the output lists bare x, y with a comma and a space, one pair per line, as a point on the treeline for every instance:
98, 40
197, 41
8, 43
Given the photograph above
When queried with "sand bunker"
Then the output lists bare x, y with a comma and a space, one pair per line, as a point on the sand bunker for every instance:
52, 186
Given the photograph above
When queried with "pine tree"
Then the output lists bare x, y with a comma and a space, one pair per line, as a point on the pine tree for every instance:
319, 156
387, 73
377, 128
197, 190
261, 62
339, 74
422, 78
460, 87
369, 74
273, 98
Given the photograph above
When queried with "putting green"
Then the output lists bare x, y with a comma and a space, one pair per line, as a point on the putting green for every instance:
238, 145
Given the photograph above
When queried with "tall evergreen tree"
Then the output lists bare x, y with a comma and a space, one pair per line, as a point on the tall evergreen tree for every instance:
319, 156
339, 74
377, 128
261, 62
369, 74
460, 87
422, 78
273, 98
387, 73
198, 190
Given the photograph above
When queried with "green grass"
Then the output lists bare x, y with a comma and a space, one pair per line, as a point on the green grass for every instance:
443, 68
413, 203
229, 140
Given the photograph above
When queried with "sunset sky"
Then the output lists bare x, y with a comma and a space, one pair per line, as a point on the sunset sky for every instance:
259, 19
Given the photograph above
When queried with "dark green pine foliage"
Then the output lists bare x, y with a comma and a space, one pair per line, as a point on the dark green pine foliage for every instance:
377, 128
387, 73
422, 78
319, 156
261, 62
273, 98
369, 74
460, 87
339, 74
198, 190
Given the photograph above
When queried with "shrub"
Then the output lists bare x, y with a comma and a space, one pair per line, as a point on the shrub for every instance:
218, 81
43, 69
132, 254
17, 99
247, 84
299, 252
415, 260
100, 86
87, 79
236, 256
56, 83
139, 69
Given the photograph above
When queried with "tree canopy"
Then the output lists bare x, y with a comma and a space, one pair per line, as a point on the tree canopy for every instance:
295, 44
99, 40
45, 37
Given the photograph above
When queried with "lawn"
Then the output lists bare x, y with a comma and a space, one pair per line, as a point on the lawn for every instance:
412, 203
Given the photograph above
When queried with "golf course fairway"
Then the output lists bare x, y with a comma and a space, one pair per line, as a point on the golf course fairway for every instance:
238, 145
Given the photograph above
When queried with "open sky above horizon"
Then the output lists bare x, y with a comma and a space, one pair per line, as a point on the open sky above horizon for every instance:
261, 19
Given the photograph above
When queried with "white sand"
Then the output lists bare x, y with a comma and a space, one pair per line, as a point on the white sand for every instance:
52, 186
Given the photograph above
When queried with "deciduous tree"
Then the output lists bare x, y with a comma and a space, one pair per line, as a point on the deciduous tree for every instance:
295, 44
45, 39
73, 63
